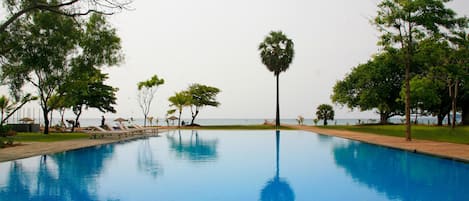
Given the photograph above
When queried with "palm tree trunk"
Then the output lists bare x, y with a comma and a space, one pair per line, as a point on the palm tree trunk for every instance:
179, 119
277, 116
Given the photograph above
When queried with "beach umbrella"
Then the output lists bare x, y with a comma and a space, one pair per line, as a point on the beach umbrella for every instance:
26, 119
120, 120
172, 118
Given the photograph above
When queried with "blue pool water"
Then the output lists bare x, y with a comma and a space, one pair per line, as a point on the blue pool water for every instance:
235, 165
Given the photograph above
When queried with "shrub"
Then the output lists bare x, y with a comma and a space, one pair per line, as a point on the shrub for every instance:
9, 140
4, 130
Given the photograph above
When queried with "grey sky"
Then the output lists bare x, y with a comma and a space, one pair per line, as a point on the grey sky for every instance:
215, 42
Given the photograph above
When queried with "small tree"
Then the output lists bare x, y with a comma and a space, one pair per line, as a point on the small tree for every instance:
179, 100
150, 119
315, 121
8, 108
146, 93
300, 120
325, 112
201, 96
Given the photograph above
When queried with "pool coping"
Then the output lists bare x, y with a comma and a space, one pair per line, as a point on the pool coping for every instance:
30, 149
446, 150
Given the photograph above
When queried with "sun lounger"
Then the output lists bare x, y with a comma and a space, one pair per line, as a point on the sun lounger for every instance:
96, 131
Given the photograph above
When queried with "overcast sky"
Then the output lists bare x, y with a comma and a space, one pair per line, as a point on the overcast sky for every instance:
214, 42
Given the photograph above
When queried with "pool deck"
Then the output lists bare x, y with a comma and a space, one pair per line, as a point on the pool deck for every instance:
29, 149
459, 152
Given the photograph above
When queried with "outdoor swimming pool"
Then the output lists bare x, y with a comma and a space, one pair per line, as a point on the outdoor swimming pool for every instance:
235, 165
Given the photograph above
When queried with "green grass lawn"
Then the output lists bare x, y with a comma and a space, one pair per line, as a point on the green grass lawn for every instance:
52, 137
443, 134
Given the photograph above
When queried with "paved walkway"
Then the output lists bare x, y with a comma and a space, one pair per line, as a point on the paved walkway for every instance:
453, 151
28, 149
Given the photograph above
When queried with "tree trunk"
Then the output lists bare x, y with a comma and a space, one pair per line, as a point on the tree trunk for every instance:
78, 113
465, 114
277, 115
179, 119
440, 118
51, 119
46, 120
453, 104
325, 121
145, 120
449, 118
62, 113
383, 118
1, 119
407, 102
194, 115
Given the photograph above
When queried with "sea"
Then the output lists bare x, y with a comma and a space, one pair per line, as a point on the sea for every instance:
84, 122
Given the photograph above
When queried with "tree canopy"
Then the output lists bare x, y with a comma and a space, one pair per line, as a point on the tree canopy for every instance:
202, 96
325, 112
373, 85
50, 51
146, 93
72, 8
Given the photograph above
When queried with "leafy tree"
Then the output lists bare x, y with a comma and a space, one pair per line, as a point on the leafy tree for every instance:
45, 43
425, 94
458, 82
72, 8
373, 85
86, 89
404, 23
277, 54
146, 92
8, 108
325, 112
179, 100
5, 107
60, 103
53, 51
150, 120
201, 96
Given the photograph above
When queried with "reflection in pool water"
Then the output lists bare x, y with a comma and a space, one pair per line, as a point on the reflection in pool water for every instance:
64, 176
277, 188
194, 148
402, 175
235, 165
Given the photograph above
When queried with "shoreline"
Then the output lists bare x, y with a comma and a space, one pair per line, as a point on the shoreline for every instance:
458, 152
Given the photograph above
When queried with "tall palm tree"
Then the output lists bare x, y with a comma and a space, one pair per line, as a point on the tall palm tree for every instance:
277, 54
180, 100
